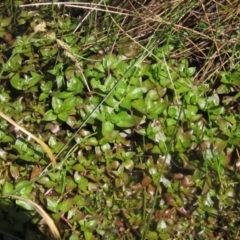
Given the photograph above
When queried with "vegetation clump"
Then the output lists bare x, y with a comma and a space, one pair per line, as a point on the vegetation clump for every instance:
119, 120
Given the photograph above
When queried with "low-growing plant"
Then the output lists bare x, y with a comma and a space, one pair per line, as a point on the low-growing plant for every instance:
134, 115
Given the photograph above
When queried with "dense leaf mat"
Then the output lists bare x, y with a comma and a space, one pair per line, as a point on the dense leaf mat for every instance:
139, 104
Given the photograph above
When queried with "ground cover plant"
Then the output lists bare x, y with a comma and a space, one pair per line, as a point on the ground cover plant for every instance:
119, 120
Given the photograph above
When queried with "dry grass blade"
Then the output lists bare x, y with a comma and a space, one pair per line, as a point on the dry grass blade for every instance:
41, 212
87, 6
39, 141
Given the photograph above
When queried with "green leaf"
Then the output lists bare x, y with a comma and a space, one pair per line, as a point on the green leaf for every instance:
46, 53
154, 94
74, 237
91, 141
109, 82
120, 90
183, 141
135, 92
15, 63
202, 102
82, 184
14, 170
27, 158
52, 204
126, 103
80, 201
107, 128
191, 98
219, 145
230, 78
25, 187
79, 167
43, 96
155, 107
217, 110
49, 116
235, 141
111, 101
63, 116
66, 205
190, 112
4, 97
34, 79
152, 236
64, 95
56, 104
140, 105
46, 86
7, 188
24, 205
165, 80
75, 85
4, 138
106, 148
223, 89
190, 71
5, 22
52, 142
71, 121
95, 83
88, 235
23, 149
125, 119
155, 131
213, 101
57, 71
225, 126
69, 104
17, 82
173, 112
128, 164
91, 224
